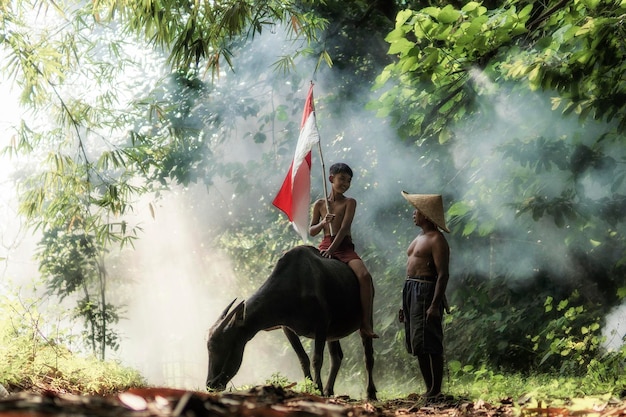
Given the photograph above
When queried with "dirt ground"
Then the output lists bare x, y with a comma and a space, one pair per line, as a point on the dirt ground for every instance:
267, 401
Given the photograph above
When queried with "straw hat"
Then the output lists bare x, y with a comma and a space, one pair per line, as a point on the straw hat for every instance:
430, 205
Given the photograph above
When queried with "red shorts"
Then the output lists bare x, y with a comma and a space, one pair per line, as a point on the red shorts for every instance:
345, 252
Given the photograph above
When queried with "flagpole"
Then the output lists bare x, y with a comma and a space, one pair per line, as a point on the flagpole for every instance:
319, 146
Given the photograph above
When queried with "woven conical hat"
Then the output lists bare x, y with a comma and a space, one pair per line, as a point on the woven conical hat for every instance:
430, 205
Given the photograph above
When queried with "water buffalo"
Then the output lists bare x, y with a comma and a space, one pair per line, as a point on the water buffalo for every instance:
307, 295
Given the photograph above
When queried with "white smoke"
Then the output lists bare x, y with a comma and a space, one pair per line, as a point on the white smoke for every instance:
614, 330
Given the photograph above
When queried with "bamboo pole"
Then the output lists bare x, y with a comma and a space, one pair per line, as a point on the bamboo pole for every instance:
319, 147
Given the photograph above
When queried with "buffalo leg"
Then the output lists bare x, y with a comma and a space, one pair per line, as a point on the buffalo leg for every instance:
305, 363
368, 348
336, 356
318, 359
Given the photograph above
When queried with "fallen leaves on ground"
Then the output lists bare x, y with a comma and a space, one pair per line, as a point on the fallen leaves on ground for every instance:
272, 401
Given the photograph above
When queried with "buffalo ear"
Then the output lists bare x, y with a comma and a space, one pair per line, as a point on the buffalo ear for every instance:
238, 315
241, 313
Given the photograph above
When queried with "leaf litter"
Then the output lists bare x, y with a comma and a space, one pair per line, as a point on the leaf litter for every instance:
276, 401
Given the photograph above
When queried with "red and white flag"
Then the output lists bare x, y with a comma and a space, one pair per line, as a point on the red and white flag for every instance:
294, 196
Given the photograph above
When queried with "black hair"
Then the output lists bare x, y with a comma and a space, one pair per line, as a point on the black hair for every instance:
340, 168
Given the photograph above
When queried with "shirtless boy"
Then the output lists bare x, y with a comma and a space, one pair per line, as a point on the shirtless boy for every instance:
423, 295
337, 242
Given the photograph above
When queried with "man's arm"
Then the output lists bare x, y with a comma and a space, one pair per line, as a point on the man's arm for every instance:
441, 257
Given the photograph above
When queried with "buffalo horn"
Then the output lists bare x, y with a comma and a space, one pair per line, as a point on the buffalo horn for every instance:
226, 309
229, 318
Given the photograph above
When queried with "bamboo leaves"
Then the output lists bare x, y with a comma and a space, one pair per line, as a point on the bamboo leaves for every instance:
200, 33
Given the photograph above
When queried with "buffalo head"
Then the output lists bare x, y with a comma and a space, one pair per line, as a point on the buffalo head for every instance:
226, 342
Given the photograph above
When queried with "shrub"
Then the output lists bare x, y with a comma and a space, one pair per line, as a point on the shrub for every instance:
35, 355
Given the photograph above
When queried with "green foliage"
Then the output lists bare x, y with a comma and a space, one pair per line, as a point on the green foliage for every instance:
445, 74
72, 250
513, 330
69, 259
573, 49
35, 355
571, 340
490, 385
580, 163
278, 380
204, 34
437, 49
576, 50
107, 145
99, 319
81, 190
489, 323
305, 386
541, 191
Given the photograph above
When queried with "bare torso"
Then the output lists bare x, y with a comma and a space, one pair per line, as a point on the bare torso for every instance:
420, 261
339, 209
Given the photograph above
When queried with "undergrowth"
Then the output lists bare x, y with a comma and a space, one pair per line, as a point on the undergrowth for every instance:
491, 387
544, 388
35, 356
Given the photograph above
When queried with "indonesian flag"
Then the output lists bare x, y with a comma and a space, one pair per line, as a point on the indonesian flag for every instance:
295, 194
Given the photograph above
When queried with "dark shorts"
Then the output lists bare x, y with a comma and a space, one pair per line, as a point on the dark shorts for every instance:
345, 252
421, 337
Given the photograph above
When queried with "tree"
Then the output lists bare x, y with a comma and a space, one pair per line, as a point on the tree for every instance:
203, 34
81, 190
495, 93
104, 147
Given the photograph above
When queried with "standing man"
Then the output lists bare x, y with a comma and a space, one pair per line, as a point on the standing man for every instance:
423, 295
